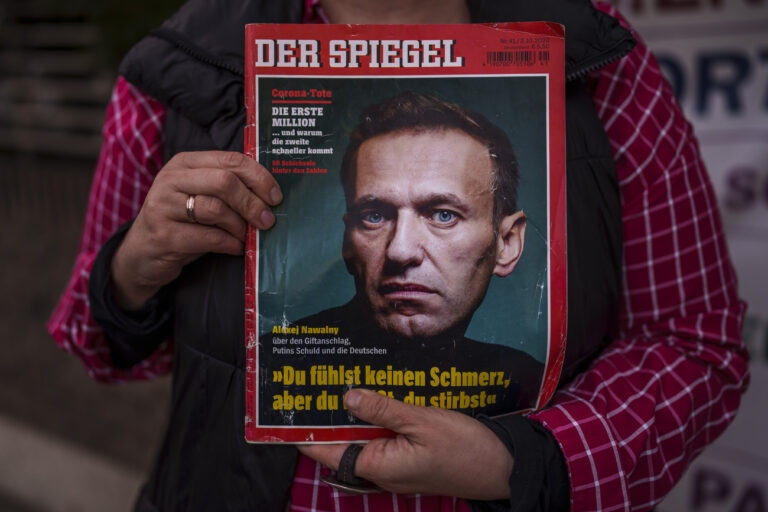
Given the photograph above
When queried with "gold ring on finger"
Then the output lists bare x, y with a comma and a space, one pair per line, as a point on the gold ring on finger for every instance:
191, 208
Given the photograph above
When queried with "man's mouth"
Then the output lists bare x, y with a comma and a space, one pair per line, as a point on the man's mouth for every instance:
405, 290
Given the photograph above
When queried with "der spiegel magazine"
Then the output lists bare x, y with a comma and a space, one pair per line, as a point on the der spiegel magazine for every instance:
420, 249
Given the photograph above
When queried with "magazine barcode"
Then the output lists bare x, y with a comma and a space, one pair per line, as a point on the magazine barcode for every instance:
517, 57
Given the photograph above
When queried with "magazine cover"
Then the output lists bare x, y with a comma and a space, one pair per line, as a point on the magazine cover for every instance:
420, 250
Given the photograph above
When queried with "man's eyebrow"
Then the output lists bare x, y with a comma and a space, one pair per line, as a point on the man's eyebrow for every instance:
423, 202
432, 200
368, 200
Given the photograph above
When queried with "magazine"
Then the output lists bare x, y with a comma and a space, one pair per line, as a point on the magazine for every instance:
420, 249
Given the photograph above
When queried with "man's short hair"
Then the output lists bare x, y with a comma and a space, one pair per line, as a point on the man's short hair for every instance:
418, 111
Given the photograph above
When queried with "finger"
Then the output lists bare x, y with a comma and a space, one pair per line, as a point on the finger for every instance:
326, 454
253, 174
227, 187
379, 410
212, 211
207, 210
196, 239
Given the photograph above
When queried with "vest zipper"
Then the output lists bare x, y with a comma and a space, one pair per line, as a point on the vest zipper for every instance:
196, 52
622, 50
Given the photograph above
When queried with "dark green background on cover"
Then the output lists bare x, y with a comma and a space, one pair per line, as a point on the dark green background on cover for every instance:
514, 312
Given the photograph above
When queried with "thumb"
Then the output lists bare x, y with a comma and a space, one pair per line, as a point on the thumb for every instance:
379, 410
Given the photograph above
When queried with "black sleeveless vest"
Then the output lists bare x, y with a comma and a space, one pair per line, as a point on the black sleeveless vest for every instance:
194, 65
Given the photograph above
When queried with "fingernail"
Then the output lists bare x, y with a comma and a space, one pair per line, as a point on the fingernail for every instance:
275, 195
352, 398
267, 219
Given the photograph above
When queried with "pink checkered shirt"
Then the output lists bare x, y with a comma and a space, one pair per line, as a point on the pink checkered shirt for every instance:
666, 387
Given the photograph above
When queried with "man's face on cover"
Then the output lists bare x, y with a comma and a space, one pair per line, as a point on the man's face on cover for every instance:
419, 237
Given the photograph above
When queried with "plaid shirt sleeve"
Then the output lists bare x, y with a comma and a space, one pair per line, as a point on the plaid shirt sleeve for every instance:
131, 155
672, 380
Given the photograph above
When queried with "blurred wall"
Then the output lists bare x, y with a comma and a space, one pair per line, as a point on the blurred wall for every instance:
66, 443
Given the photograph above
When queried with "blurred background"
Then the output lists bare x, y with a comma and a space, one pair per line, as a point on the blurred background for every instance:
66, 443
69, 444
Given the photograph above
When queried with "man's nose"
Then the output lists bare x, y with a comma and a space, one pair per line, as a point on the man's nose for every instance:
406, 243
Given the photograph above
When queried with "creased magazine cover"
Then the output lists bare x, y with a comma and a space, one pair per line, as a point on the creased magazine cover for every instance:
420, 250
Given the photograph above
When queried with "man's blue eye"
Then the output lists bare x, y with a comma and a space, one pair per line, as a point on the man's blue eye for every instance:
373, 217
444, 216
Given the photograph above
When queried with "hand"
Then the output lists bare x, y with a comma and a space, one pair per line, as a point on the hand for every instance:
231, 190
436, 451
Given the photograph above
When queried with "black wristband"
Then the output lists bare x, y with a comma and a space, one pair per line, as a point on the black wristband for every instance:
346, 472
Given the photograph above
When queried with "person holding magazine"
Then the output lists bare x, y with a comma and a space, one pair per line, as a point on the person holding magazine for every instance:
655, 365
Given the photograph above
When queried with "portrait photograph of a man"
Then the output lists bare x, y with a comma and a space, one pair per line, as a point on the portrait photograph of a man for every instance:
416, 265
